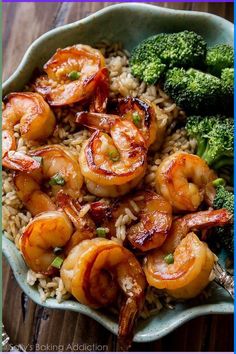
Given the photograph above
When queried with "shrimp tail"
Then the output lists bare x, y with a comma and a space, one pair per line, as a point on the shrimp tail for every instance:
128, 316
207, 219
18, 161
100, 98
70, 206
100, 121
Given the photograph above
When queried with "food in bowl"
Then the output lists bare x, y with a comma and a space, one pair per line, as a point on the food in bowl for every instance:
110, 188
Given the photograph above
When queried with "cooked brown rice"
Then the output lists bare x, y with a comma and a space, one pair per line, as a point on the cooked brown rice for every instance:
14, 215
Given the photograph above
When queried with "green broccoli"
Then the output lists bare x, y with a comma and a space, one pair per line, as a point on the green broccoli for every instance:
227, 81
193, 90
227, 88
153, 56
149, 71
215, 139
225, 235
218, 58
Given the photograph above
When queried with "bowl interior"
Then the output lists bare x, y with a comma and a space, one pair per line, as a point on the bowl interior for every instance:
129, 24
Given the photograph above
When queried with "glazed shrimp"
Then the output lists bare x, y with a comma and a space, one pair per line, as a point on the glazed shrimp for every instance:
59, 167
118, 159
37, 122
182, 178
93, 273
141, 113
73, 75
43, 234
153, 218
189, 271
38, 252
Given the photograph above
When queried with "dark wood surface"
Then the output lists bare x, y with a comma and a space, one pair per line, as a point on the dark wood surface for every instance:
41, 329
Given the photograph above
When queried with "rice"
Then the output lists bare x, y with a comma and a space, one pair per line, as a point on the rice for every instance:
16, 217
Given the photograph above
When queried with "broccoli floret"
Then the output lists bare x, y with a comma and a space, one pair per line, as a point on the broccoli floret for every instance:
153, 56
193, 90
227, 84
225, 235
150, 72
184, 49
215, 139
218, 58
227, 81
223, 199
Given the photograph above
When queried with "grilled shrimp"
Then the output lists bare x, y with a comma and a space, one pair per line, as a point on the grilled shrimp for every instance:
187, 274
115, 159
93, 273
74, 74
50, 229
59, 168
141, 113
153, 218
29, 192
47, 231
37, 122
182, 178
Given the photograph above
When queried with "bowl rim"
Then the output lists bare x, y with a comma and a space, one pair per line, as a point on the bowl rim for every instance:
195, 311
106, 10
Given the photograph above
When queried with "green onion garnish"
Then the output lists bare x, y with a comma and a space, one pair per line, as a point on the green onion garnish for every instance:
169, 258
38, 159
218, 182
136, 118
57, 179
101, 232
57, 262
74, 75
114, 155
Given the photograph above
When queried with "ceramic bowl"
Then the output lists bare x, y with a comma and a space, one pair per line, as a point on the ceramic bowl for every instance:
129, 24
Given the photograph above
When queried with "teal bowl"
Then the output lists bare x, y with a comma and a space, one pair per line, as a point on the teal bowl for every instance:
129, 24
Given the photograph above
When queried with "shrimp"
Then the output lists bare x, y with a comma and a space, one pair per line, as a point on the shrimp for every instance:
182, 178
42, 235
63, 228
75, 74
141, 113
153, 218
37, 122
59, 167
93, 273
193, 261
29, 192
115, 190
115, 159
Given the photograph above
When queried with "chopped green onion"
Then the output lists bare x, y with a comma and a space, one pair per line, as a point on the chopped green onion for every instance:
57, 250
57, 262
74, 75
136, 118
218, 182
114, 155
57, 179
38, 159
101, 232
169, 258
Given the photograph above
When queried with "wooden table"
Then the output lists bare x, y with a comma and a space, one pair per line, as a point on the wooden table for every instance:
41, 329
